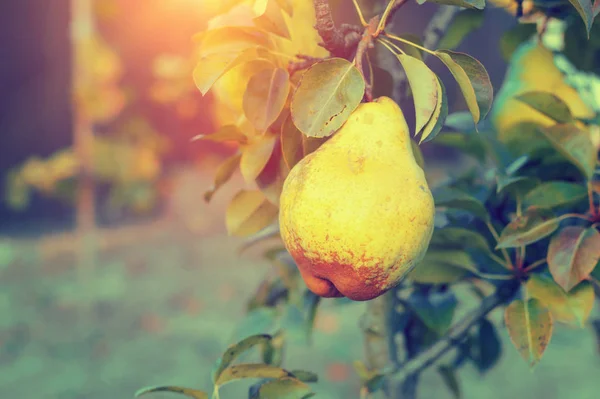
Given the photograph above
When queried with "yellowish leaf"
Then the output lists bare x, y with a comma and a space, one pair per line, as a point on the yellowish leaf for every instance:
265, 97
235, 350
271, 178
291, 143
270, 18
211, 67
223, 174
249, 212
529, 326
231, 39
250, 370
225, 133
573, 307
256, 155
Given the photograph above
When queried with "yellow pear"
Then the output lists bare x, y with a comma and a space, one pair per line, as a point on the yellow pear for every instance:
357, 214
532, 68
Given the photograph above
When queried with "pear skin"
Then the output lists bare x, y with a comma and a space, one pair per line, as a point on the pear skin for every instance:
357, 214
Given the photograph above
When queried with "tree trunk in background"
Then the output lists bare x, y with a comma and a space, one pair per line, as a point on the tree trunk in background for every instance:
83, 136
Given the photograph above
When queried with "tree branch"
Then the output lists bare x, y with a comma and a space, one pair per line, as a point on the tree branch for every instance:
455, 335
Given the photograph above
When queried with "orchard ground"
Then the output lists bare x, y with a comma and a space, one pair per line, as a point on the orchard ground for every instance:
168, 296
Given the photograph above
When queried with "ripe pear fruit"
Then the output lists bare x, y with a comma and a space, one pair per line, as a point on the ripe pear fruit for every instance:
357, 214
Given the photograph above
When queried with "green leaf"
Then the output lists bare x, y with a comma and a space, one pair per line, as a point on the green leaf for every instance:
450, 379
529, 326
327, 94
465, 22
424, 86
442, 267
477, 4
467, 143
411, 50
574, 144
573, 307
584, 8
458, 238
436, 122
250, 370
555, 193
515, 185
548, 104
456, 199
284, 388
530, 227
265, 96
223, 174
473, 81
233, 351
192, 393
435, 309
572, 255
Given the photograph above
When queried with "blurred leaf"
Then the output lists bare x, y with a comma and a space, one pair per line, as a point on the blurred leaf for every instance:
572, 255
548, 104
225, 133
533, 225
268, 232
486, 347
231, 39
584, 8
286, 6
271, 178
453, 198
249, 212
424, 86
311, 303
270, 18
256, 322
233, 351
574, 144
265, 97
513, 38
291, 143
250, 370
573, 307
442, 267
305, 376
555, 193
529, 326
284, 388
211, 67
477, 4
418, 154
328, 93
223, 174
273, 350
458, 238
468, 144
435, 309
515, 185
256, 155
473, 81
192, 393
435, 124
448, 374
465, 22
